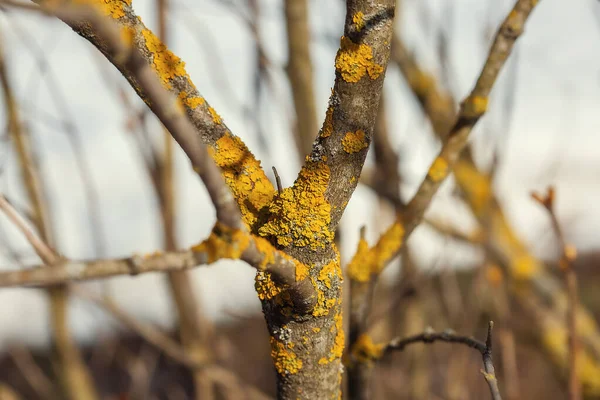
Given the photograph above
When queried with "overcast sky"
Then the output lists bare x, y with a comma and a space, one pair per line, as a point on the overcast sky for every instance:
543, 122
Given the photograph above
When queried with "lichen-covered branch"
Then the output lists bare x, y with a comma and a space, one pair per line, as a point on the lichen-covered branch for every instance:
361, 62
471, 111
243, 173
223, 243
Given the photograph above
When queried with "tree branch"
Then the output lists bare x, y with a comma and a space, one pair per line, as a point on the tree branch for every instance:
472, 109
299, 70
145, 57
367, 351
567, 256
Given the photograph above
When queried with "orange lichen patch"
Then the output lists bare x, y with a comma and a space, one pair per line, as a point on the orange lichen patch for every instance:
166, 64
524, 267
114, 8
421, 83
389, 243
353, 61
477, 186
244, 176
266, 249
223, 242
301, 271
191, 102
127, 34
300, 215
327, 129
329, 271
474, 106
359, 20
323, 361
438, 170
216, 117
323, 304
354, 142
286, 361
494, 275
365, 351
265, 287
338, 344
359, 268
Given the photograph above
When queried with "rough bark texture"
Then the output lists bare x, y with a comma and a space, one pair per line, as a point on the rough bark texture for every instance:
307, 337
307, 348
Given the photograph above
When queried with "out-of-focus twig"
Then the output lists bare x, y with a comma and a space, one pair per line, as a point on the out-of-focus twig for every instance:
299, 70
75, 377
567, 256
192, 325
373, 352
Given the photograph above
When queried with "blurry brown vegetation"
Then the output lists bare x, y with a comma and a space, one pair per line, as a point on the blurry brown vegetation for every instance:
546, 341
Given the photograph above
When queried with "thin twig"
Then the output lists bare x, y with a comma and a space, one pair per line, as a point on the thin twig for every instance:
449, 336
278, 180
567, 256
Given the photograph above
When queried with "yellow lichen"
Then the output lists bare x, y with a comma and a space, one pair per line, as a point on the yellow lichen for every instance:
476, 186
524, 267
286, 361
265, 287
389, 243
438, 170
354, 142
327, 129
316, 329
166, 64
300, 215
328, 272
216, 117
474, 106
365, 351
244, 176
323, 304
353, 61
113, 8
359, 268
359, 20
338, 343
127, 34
421, 83
301, 272
267, 250
223, 242
191, 102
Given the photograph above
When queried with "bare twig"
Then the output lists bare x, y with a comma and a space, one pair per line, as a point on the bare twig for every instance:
299, 70
75, 377
567, 256
431, 336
